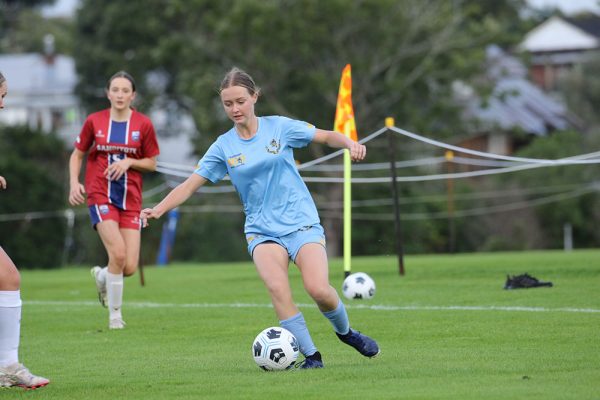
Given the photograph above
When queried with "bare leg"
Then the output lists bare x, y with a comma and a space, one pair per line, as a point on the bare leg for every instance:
312, 262
272, 263
132, 239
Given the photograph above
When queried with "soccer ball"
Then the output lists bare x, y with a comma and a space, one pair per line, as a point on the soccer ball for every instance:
358, 286
275, 349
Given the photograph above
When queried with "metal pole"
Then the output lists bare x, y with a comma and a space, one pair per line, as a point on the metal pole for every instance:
141, 264
450, 187
70, 216
568, 236
392, 145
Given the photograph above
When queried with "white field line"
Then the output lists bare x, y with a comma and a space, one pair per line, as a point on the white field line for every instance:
376, 307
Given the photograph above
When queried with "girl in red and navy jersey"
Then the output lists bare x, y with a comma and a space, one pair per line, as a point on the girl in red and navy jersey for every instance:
120, 143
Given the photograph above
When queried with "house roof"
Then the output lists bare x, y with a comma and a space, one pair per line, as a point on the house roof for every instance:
515, 103
31, 73
589, 23
558, 34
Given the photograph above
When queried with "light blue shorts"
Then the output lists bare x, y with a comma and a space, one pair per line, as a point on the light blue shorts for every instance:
292, 242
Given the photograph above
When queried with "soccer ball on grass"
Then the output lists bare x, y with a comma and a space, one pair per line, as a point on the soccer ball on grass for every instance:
275, 349
358, 286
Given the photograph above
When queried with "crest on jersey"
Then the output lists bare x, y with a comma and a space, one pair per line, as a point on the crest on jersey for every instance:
236, 160
103, 208
273, 147
135, 136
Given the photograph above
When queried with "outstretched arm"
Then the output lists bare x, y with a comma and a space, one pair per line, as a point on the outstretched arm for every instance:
337, 140
177, 196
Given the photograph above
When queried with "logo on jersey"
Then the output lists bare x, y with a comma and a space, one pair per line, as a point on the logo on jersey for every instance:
111, 148
251, 238
236, 160
99, 133
103, 208
273, 147
135, 136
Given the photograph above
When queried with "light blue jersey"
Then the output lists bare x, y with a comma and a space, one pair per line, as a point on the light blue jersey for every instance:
276, 201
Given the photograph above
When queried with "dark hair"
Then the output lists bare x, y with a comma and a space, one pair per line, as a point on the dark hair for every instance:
121, 74
237, 77
2, 78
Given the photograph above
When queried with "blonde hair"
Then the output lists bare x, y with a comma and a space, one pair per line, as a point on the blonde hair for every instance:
237, 77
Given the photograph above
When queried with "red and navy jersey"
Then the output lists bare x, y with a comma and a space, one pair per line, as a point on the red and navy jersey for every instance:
111, 141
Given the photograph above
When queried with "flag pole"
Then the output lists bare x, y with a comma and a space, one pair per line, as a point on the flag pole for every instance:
347, 210
344, 123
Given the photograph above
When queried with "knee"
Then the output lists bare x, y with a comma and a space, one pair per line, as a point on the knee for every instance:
119, 257
11, 281
279, 290
320, 293
129, 269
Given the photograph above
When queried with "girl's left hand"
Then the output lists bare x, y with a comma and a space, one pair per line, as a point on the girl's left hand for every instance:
116, 170
357, 151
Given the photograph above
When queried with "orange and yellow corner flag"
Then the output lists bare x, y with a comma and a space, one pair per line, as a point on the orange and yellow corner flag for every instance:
344, 112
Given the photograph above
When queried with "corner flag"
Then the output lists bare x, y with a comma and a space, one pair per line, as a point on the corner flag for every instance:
344, 123
344, 112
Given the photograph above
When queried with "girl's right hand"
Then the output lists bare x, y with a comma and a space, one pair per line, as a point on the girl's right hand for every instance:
2, 182
148, 213
77, 194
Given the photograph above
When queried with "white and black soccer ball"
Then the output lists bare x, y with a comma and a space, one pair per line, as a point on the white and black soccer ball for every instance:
275, 349
358, 286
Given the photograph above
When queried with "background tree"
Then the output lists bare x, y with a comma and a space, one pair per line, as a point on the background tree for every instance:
581, 90
581, 194
404, 55
22, 28
34, 166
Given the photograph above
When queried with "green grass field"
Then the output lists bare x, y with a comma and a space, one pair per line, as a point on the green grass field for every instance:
447, 330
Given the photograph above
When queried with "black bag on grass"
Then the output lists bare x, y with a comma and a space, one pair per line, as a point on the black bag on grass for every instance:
524, 281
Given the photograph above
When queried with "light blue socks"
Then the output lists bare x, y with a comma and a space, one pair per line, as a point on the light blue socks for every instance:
297, 325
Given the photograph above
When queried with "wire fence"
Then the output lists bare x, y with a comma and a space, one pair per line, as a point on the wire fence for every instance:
496, 163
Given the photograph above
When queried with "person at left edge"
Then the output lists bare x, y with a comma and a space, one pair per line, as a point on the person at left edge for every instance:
12, 372
122, 144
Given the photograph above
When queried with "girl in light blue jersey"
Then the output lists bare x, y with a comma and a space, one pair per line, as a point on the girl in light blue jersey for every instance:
282, 222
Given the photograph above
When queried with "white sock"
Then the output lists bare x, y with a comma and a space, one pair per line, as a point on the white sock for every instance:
10, 326
114, 294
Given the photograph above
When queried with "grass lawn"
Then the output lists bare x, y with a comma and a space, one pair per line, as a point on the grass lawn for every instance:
447, 330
